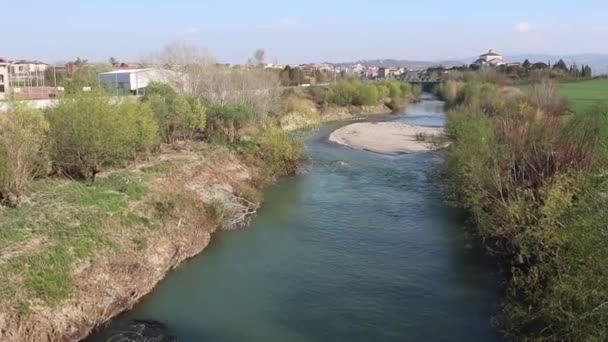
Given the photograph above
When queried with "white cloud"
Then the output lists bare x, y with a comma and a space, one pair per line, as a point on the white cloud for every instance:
523, 27
283, 23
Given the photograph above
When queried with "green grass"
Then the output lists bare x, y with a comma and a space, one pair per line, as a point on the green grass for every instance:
584, 93
67, 221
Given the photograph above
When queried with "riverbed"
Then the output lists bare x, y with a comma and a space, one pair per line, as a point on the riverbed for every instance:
360, 247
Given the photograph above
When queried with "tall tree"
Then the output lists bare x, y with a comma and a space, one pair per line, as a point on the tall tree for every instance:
258, 58
526, 64
560, 65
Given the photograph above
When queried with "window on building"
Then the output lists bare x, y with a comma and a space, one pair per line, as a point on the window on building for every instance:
1, 78
1, 88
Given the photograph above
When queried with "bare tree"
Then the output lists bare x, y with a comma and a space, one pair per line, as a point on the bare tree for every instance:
258, 58
193, 71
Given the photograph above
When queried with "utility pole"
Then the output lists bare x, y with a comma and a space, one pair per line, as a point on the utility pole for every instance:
55, 74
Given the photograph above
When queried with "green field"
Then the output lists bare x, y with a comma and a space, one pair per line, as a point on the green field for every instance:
582, 94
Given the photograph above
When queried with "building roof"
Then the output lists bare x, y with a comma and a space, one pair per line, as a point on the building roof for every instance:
126, 71
23, 61
490, 53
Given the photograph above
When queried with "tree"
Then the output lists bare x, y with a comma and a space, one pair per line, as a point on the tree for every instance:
586, 71
526, 64
258, 58
561, 65
113, 61
198, 75
91, 130
540, 66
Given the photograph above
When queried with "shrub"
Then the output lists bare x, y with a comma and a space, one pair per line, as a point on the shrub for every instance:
22, 138
189, 117
279, 151
178, 116
367, 95
529, 183
225, 121
547, 99
91, 131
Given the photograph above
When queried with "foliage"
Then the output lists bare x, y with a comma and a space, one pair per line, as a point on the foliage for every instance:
23, 133
90, 131
178, 116
547, 99
350, 93
532, 185
224, 122
83, 76
279, 152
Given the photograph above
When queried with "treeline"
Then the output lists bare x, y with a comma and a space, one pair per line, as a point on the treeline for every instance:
393, 94
512, 74
532, 179
83, 134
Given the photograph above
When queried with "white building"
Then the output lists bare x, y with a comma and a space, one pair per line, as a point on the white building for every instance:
490, 59
27, 73
135, 81
4, 80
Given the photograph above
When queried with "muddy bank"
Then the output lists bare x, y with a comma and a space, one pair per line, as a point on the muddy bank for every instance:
208, 188
390, 138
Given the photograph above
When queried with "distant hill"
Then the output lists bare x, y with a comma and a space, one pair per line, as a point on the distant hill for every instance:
598, 62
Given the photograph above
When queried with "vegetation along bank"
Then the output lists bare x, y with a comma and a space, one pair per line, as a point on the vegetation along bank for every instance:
102, 196
532, 175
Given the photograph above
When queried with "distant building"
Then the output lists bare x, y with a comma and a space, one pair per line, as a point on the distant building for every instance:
490, 59
135, 81
385, 72
4, 80
27, 73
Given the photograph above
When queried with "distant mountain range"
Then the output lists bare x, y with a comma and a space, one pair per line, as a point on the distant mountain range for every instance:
597, 62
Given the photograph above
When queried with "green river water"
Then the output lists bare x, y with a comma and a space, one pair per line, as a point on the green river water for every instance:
359, 248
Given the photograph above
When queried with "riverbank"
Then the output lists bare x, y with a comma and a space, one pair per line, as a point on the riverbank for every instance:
93, 250
76, 252
390, 138
533, 178
333, 252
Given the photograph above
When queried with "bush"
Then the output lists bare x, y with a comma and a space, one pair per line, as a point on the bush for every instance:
547, 99
91, 131
280, 153
395, 94
533, 185
23, 133
178, 116
224, 122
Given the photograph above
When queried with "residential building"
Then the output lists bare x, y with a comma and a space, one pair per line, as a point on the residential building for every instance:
4, 80
135, 81
27, 73
384, 72
490, 59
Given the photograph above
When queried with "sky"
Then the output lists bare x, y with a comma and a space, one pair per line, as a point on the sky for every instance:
293, 31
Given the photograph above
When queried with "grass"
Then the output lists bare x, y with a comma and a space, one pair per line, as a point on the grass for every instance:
584, 93
66, 221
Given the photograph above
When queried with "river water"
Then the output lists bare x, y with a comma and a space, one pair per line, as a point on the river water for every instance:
359, 248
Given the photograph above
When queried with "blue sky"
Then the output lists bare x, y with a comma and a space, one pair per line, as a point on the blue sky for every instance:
302, 31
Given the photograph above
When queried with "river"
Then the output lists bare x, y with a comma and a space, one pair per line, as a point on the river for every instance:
359, 248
